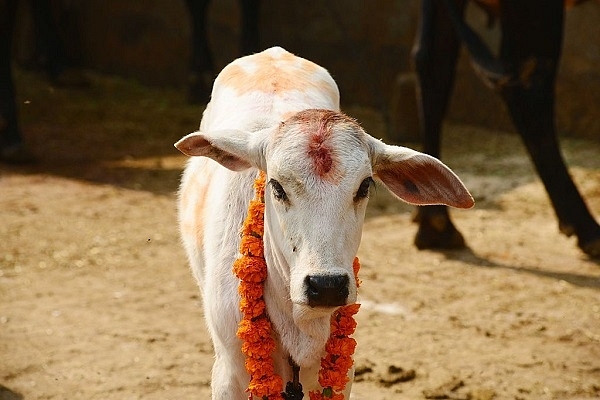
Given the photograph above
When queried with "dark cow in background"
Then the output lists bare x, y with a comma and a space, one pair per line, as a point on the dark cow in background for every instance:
524, 74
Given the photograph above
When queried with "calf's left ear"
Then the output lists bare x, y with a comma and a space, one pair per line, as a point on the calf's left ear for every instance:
234, 149
418, 178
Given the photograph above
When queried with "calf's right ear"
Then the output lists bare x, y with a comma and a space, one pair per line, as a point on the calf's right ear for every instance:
234, 149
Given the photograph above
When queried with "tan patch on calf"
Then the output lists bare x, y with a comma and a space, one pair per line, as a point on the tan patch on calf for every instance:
270, 73
195, 192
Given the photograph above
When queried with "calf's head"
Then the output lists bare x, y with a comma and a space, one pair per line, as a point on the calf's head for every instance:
320, 167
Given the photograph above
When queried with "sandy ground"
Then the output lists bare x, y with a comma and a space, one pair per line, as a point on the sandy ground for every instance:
97, 302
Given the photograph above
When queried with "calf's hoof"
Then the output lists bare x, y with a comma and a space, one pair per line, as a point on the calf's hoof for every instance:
438, 232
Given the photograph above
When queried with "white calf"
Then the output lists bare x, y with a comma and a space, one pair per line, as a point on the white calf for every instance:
279, 113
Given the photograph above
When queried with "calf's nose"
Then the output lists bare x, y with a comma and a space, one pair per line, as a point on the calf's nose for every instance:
327, 290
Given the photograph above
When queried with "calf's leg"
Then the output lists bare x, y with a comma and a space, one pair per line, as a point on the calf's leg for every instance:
225, 379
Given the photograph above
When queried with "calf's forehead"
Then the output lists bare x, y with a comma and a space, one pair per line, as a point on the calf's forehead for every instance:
320, 146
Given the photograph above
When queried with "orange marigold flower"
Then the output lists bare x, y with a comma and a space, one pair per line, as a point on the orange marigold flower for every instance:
251, 246
254, 222
349, 309
259, 184
250, 269
251, 290
252, 308
257, 367
263, 350
254, 331
256, 211
341, 346
267, 385
341, 363
342, 324
333, 378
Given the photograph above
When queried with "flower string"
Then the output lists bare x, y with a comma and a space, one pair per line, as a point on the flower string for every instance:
333, 375
255, 327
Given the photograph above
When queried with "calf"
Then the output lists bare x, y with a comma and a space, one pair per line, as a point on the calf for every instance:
279, 113
524, 74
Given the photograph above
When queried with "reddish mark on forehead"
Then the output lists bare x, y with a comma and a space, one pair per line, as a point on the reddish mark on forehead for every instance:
319, 151
321, 157
318, 124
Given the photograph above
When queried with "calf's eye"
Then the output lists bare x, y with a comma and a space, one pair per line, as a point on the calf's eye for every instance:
278, 191
363, 189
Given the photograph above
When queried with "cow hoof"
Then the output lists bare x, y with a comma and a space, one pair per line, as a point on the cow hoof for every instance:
591, 248
438, 232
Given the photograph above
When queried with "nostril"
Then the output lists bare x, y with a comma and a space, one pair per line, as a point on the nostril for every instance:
327, 290
312, 286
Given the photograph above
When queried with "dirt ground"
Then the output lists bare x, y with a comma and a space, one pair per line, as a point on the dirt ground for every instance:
97, 301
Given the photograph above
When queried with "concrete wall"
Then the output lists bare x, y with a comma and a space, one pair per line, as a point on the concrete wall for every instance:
364, 44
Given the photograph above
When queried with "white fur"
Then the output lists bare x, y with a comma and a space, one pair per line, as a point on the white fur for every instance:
318, 231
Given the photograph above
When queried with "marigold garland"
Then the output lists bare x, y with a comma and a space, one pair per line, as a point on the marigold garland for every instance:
255, 327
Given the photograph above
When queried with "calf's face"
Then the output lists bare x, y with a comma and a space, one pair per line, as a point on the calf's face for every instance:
319, 174
320, 165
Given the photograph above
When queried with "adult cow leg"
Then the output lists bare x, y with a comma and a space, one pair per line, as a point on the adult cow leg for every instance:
202, 71
532, 39
435, 54
250, 40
